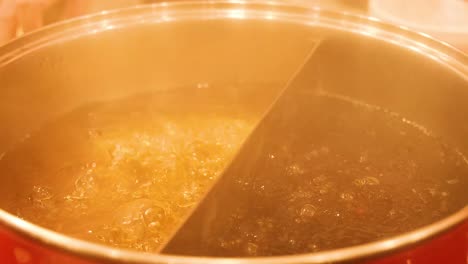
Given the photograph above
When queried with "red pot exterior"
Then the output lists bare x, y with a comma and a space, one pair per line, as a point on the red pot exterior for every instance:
15, 249
450, 248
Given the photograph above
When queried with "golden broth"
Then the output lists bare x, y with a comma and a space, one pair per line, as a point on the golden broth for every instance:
125, 172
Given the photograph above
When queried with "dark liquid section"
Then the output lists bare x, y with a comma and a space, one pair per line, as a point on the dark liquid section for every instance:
324, 172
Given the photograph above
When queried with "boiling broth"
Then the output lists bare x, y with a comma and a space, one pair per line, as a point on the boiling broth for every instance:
324, 171
126, 172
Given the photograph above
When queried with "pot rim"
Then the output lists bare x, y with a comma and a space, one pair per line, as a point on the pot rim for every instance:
232, 9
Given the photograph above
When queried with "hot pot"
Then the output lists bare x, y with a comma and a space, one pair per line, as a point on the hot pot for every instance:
118, 53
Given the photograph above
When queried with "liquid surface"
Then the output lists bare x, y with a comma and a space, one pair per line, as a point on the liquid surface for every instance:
321, 172
126, 172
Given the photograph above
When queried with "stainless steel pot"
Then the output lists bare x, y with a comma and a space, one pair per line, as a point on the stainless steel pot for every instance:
114, 54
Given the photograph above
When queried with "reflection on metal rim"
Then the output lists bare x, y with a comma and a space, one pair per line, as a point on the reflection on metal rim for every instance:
267, 10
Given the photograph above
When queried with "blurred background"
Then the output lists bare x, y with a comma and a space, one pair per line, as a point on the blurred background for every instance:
446, 20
